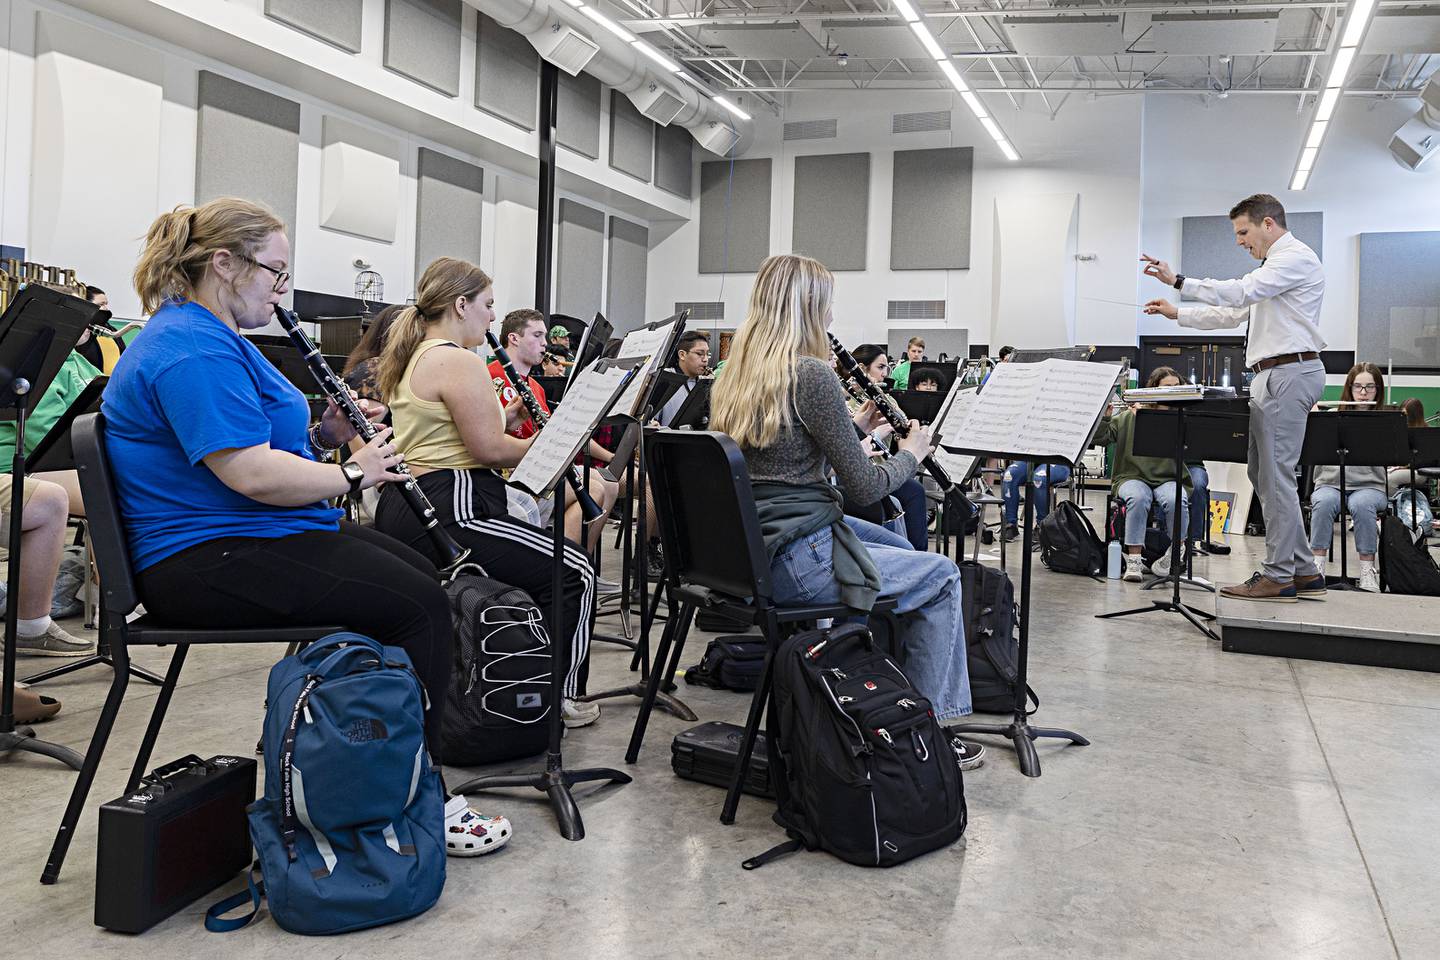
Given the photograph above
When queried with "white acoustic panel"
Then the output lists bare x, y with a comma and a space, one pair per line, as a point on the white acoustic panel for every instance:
1404, 31
360, 180
95, 153
1033, 294
1204, 34
1066, 36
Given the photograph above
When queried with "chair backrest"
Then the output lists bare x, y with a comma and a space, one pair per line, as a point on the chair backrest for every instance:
102, 509
706, 510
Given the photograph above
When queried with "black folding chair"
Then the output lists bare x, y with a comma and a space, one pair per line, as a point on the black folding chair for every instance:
118, 599
715, 558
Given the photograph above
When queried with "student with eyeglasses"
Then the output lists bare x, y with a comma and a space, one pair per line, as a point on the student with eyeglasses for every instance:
1365, 488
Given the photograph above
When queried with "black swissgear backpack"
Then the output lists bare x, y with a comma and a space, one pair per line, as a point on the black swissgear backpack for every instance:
859, 764
1406, 566
499, 697
988, 599
1068, 543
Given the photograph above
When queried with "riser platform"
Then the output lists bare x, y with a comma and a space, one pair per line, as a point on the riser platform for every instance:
1373, 629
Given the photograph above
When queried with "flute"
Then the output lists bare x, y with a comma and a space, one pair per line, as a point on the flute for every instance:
851, 368
589, 509
451, 553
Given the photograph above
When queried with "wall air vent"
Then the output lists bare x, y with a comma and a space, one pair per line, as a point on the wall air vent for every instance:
916, 310
920, 122
811, 130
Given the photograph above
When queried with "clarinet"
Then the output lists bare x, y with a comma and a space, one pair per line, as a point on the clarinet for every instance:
886, 405
589, 509
451, 553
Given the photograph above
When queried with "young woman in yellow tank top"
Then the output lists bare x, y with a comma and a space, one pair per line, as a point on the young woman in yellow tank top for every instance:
451, 428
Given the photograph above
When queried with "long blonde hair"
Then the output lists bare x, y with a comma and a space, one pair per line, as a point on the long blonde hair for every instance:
786, 321
179, 245
443, 282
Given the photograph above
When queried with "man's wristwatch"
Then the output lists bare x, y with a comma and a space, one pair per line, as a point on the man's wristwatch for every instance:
1179, 283
353, 473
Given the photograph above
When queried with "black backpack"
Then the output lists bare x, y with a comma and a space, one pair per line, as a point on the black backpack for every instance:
1405, 565
499, 697
1068, 543
860, 766
730, 663
991, 643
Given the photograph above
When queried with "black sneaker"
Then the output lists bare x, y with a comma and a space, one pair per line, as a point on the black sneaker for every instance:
1011, 532
987, 536
654, 563
1218, 549
968, 753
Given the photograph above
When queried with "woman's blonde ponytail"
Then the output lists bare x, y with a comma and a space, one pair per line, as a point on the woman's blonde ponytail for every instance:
179, 245
446, 280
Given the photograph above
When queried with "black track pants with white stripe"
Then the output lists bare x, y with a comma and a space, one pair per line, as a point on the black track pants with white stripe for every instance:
508, 550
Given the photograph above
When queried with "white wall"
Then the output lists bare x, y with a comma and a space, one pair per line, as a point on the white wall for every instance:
1092, 149
1200, 160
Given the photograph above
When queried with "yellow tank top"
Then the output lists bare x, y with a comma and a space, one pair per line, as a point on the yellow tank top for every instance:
424, 430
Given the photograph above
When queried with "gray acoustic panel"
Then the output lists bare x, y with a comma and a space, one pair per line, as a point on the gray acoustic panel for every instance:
832, 208
625, 284
577, 115
580, 259
930, 209
632, 138
951, 341
734, 215
334, 21
449, 200
1399, 303
1208, 247
422, 42
247, 144
507, 74
674, 161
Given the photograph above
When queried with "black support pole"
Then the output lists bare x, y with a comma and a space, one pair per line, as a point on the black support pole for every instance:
545, 207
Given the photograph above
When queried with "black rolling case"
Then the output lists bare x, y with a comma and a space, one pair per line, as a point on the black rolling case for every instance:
707, 753
181, 834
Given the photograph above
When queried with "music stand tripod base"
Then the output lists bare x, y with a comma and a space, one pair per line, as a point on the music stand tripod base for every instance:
24, 740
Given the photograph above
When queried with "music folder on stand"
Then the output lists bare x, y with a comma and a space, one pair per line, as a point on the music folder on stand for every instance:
38, 330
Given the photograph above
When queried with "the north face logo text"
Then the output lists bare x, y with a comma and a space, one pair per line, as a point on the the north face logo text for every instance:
363, 731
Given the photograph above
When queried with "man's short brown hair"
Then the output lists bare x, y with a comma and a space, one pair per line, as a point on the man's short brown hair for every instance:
916, 342
516, 321
1257, 207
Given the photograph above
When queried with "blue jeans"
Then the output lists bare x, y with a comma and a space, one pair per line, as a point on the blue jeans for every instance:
1199, 503
917, 513
1400, 506
927, 589
1019, 472
1363, 505
1139, 498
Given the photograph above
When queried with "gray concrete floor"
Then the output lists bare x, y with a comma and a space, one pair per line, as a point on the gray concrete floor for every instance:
1230, 806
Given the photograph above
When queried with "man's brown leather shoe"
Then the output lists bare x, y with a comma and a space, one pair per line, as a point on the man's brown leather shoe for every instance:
1311, 587
1261, 587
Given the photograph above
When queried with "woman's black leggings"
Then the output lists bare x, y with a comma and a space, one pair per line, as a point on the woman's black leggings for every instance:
353, 577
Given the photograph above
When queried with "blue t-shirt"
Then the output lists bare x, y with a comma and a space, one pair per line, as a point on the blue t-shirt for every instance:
186, 387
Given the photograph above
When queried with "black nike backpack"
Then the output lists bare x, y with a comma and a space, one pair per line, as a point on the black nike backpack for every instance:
860, 765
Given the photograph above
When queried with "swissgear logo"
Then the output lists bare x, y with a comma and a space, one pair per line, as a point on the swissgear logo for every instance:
364, 731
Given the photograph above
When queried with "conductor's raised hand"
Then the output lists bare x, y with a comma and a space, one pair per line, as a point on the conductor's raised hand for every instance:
1158, 269
1162, 308
378, 459
917, 442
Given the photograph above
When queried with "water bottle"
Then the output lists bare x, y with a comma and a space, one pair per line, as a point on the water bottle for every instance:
1113, 563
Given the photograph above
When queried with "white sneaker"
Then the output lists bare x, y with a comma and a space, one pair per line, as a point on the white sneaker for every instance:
1134, 568
1369, 577
469, 833
1161, 567
579, 714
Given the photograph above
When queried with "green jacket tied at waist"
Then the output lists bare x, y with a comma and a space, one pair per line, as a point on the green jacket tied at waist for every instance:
788, 513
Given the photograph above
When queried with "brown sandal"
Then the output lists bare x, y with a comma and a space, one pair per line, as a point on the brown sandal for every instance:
31, 707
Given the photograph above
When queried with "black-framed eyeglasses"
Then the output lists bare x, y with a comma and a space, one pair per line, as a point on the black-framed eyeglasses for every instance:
1367, 387
282, 277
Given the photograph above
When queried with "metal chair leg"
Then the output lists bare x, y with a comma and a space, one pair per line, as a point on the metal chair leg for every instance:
672, 636
157, 717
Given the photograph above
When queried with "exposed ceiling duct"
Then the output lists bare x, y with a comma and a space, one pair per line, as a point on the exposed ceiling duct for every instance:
620, 64
1419, 139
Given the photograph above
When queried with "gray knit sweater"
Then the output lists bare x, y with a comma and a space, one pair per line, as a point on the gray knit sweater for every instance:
823, 434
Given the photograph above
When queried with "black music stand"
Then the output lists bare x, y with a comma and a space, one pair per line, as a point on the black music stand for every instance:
53, 453
591, 344
37, 331
694, 413
554, 780
1186, 431
1356, 438
921, 405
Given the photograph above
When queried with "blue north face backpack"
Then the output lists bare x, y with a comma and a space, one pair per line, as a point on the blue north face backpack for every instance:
350, 832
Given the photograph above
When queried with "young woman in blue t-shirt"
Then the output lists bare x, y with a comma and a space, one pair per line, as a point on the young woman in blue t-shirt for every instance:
220, 478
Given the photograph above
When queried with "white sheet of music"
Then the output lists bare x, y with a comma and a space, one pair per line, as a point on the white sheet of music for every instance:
586, 401
954, 411
1040, 410
642, 343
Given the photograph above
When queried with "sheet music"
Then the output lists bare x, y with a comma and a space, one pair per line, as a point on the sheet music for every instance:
956, 409
587, 400
642, 343
1040, 410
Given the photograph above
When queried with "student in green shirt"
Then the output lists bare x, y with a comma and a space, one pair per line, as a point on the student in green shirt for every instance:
914, 353
75, 373
1143, 482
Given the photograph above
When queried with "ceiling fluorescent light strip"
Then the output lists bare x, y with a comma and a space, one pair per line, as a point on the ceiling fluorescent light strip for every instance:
1357, 21
656, 55
905, 10
928, 41
608, 24
953, 75
731, 107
